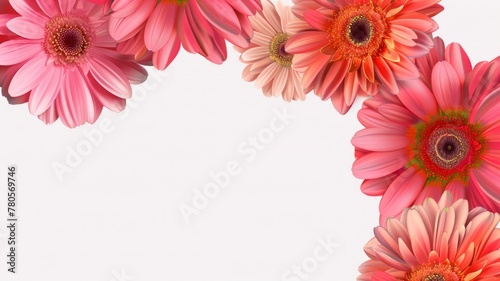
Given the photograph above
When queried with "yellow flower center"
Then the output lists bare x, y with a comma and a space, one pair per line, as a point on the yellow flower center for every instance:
444, 271
277, 51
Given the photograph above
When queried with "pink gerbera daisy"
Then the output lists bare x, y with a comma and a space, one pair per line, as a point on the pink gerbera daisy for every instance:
269, 65
440, 133
435, 242
354, 46
63, 61
202, 26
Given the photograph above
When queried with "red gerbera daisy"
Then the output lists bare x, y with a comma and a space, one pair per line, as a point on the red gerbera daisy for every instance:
354, 46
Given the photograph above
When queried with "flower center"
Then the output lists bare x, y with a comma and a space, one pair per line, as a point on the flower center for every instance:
434, 272
359, 30
356, 31
68, 39
277, 51
447, 147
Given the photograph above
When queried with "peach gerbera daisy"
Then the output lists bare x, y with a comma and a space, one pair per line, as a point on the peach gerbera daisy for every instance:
435, 242
269, 65
63, 62
201, 26
354, 46
440, 133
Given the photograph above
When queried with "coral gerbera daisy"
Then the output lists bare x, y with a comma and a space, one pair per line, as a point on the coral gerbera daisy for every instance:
202, 26
441, 132
435, 242
269, 65
64, 63
354, 46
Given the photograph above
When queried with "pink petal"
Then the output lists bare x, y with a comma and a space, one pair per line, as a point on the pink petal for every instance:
456, 55
110, 76
67, 5
166, 55
26, 28
28, 76
487, 178
405, 69
429, 191
333, 79
306, 41
379, 164
415, 95
43, 94
104, 97
49, 7
397, 114
486, 112
446, 86
122, 28
220, 14
50, 115
160, 27
402, 192
384, 73
266, 75
378, 186
380, 139
75, 104
18, 50
317, 20
29, 9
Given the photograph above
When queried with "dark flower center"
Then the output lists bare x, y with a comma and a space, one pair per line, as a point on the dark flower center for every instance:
71, 41
447, 147
360, 30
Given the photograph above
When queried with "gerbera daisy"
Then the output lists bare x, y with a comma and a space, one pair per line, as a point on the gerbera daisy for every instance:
269, 65
354, 46
202, 26
440, 133
63, 61
435, 242
7, 13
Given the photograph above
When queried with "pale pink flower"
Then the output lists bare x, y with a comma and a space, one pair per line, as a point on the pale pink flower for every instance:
354, 46
201, 26
269, 65
435, 242
63, 62
441, 132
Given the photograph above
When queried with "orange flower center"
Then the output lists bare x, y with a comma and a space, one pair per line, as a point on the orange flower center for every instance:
277, 51
434, 272
356, 31
68, 39
447, 147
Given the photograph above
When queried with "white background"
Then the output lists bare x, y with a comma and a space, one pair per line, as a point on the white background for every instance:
116, 215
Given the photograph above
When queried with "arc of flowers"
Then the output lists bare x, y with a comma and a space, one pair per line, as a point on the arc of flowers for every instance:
431, 124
